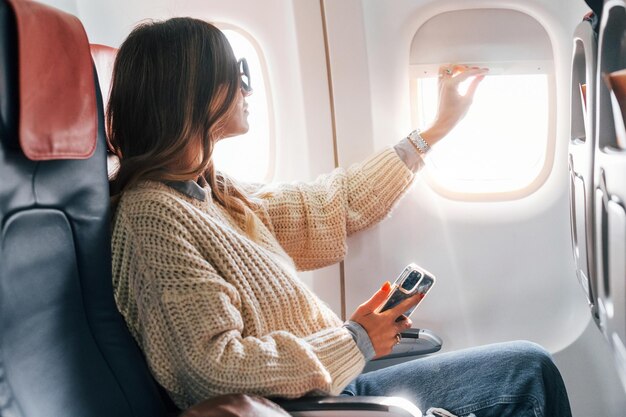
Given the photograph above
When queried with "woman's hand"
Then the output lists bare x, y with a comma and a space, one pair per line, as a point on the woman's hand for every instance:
452, 105
382, 328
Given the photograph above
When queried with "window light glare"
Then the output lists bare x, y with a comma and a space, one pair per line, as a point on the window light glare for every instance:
246, 157
500, 145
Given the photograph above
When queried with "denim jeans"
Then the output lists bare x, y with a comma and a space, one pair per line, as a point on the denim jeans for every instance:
506, 379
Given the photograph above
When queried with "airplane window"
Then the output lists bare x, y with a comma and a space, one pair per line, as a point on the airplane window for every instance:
501, 143
504, 148
249, 157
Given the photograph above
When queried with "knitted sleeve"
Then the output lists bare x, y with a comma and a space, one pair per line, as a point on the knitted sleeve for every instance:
188, 321
312, 220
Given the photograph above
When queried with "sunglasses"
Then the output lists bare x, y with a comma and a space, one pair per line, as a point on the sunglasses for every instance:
244, 71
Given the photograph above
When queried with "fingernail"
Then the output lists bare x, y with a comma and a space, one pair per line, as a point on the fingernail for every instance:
386, 286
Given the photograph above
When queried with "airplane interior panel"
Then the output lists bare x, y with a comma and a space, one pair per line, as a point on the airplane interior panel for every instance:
581, 152
518, 209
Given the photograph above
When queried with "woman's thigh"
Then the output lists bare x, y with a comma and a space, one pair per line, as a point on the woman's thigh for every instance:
514, 378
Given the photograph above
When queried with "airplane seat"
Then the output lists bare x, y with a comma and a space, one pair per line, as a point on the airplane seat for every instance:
581, 149
103, 58
64, 348
610, 179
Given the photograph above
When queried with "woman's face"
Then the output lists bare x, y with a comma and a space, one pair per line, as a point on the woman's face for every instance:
238, 122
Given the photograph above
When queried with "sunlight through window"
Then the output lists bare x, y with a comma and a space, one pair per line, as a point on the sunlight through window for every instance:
249, 157
500, 146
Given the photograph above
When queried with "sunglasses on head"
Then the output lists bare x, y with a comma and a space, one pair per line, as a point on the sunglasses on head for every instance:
244, 71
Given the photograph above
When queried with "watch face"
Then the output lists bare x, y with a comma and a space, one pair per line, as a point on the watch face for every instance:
418, 141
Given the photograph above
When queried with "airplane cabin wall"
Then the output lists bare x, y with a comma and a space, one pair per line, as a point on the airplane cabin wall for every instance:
511, 257
505, 269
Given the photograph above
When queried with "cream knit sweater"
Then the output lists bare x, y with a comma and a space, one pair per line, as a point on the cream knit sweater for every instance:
215, 312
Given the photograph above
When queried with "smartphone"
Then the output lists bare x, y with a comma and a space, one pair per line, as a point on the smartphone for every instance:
414, 279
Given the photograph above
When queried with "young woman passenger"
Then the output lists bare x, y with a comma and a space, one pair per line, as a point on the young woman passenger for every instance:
205, 270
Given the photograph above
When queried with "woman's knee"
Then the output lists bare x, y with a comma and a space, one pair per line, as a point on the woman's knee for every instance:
530, 352
531, 359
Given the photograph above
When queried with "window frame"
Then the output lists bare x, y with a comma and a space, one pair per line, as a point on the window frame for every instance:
265, 78
547, 67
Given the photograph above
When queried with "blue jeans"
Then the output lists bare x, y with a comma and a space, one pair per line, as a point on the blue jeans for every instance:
506, 379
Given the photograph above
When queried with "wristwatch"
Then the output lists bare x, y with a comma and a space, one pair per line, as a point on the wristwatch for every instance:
418, 141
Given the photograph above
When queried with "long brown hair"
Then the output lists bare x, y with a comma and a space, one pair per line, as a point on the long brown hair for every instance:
175, 84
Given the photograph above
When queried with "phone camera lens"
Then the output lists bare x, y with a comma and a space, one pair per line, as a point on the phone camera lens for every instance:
411, 280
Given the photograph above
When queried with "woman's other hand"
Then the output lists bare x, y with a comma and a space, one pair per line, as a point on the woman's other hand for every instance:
452, 105
382, 328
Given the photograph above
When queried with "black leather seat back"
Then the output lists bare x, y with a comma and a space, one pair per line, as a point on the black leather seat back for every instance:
64, 349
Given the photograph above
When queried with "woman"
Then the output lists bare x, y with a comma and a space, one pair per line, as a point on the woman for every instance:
205, 270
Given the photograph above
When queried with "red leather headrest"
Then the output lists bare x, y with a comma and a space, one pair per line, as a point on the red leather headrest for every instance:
58, 116
104, 58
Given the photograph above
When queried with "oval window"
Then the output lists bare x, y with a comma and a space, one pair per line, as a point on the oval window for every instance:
249, 157
504, 147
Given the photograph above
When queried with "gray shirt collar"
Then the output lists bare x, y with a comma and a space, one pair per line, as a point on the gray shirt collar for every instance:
190, 188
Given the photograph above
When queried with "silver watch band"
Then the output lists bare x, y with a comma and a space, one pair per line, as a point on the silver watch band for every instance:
418, 141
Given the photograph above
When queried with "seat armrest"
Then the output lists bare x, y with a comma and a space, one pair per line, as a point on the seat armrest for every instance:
360, 406
235, 405
415, 342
